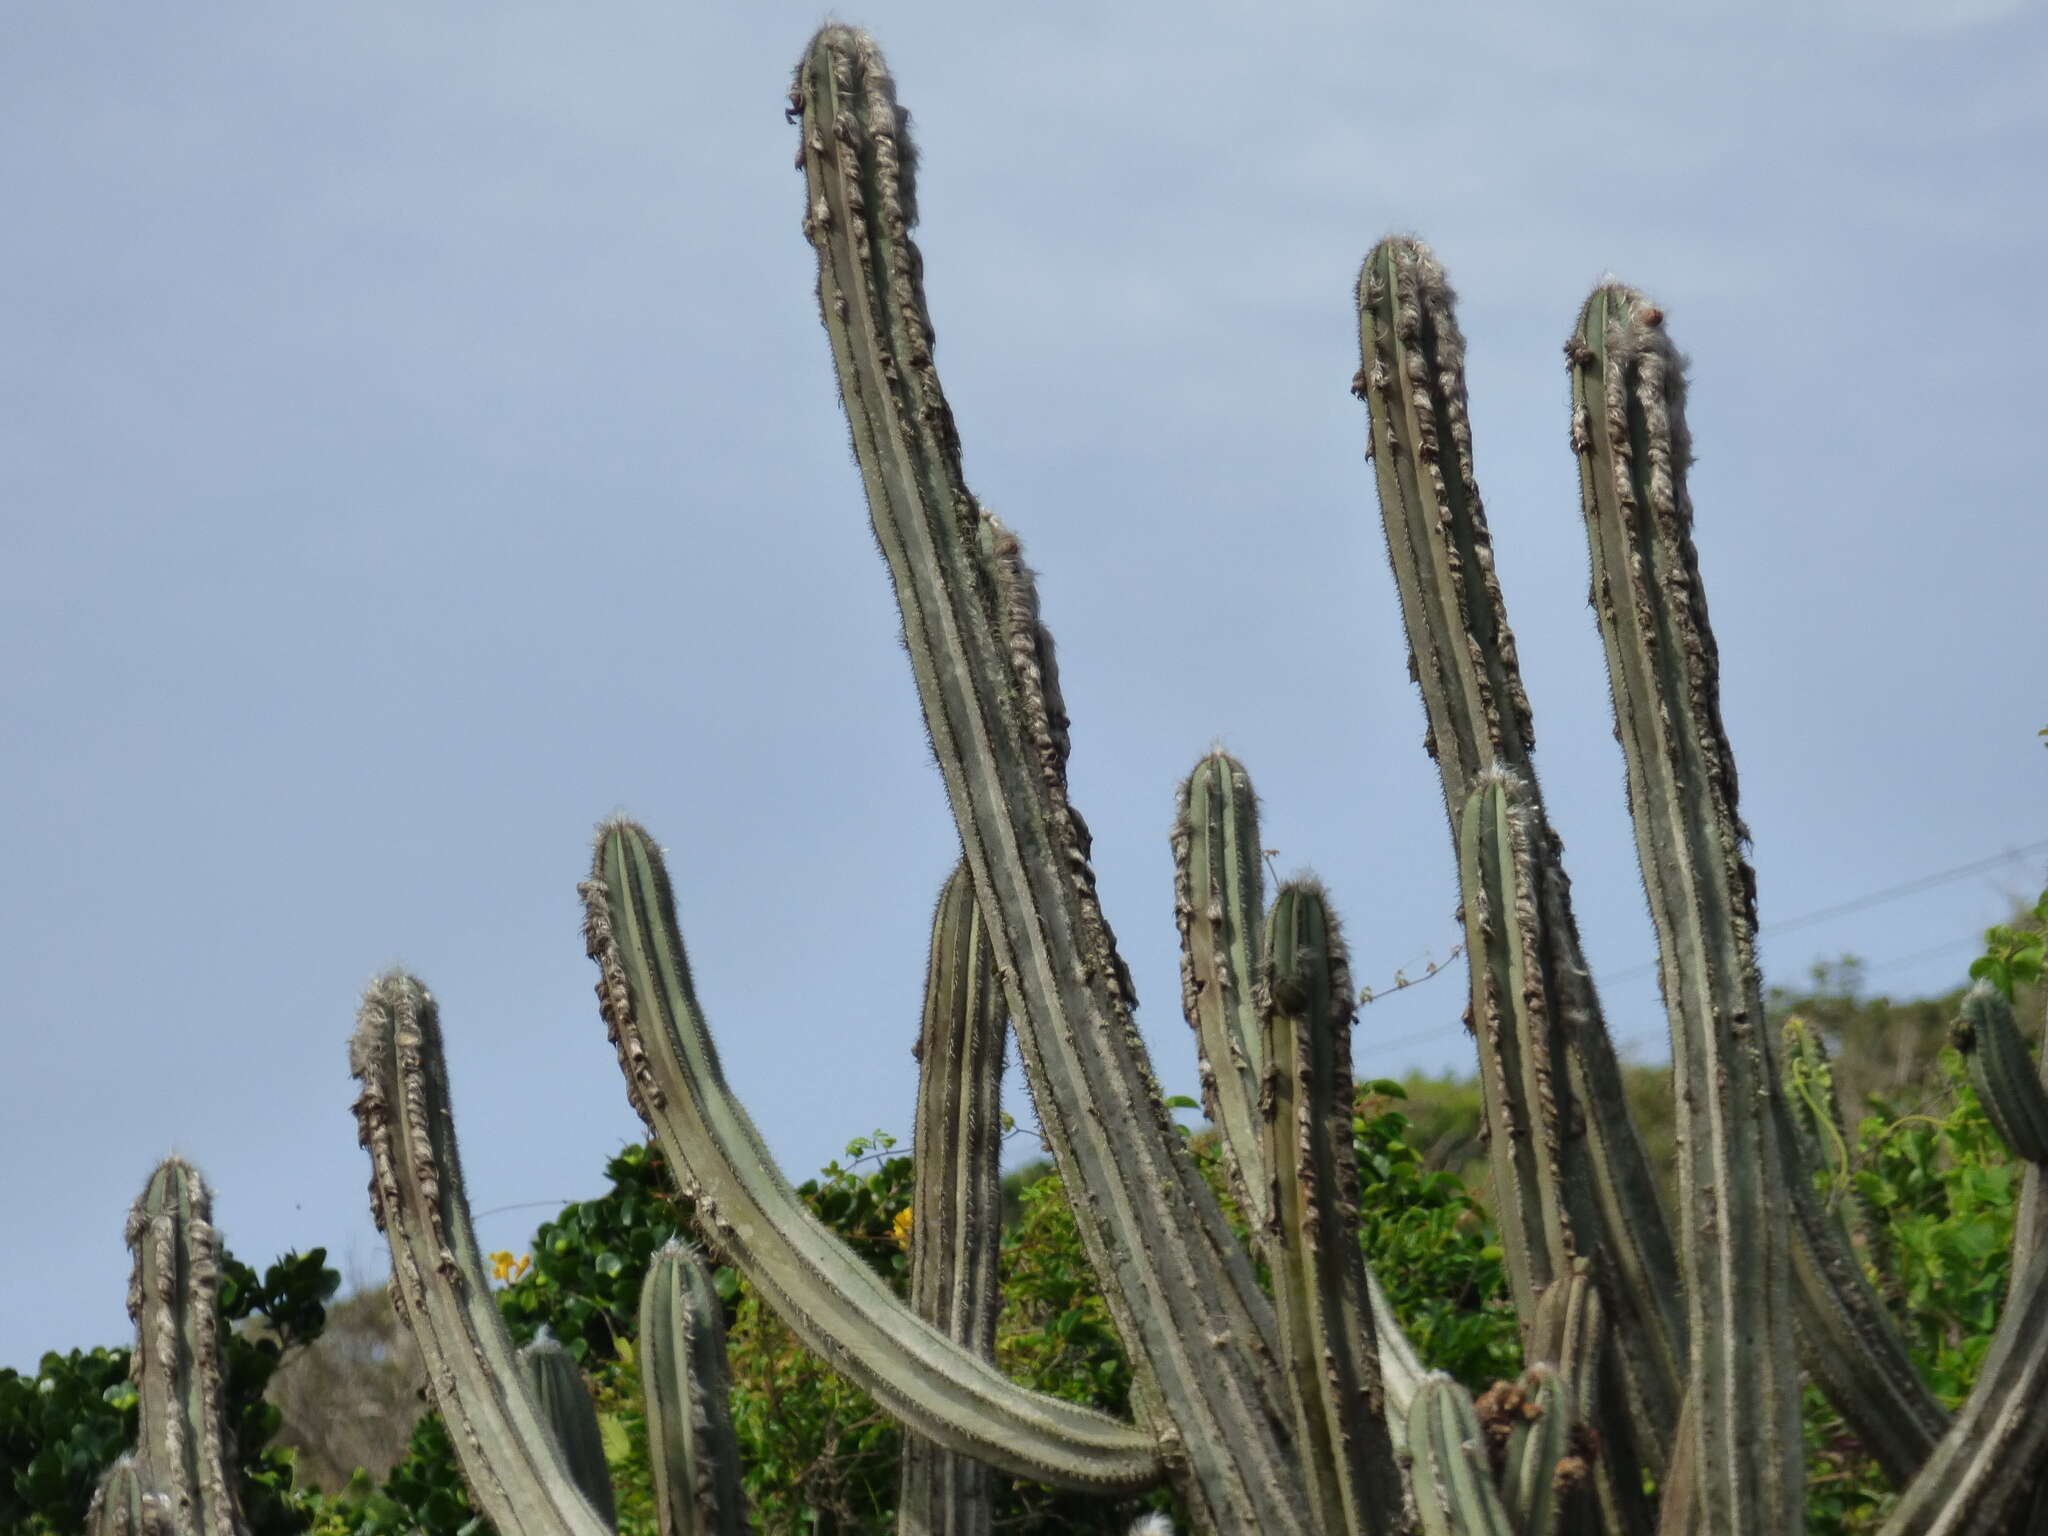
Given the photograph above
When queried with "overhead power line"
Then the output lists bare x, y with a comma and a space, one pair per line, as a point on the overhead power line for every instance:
1791, 924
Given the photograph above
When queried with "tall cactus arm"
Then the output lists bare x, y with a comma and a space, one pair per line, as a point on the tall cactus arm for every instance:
556, 1382
684, 1378
185, 1451
1181, 1293
956, 1224
1462, 656
1511, 1019
1326, 1320
1450, 1474
1219, 902
122, 1504
1629, 427
508, 1453
1983, 1475
827, 1295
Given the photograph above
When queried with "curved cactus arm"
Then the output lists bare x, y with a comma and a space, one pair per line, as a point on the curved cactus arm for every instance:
828, 1296
956, 1224
558, 1389
1181, 1293
1219, 902
1319, 1291
691, 1449
2002, 1072
1628, 424
1985, 1471
123, 1505
508, 1453
1449, 1472
1462, 656
185, 1451
1806, 1081
1510, 1018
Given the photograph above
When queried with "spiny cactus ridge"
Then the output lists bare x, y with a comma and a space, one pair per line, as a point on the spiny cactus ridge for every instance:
1662, 1392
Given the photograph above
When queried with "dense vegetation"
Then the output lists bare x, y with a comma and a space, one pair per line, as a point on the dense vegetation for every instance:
1915, 1170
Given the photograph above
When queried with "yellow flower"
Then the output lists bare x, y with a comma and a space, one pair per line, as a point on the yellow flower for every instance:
505, 1267
901, 1229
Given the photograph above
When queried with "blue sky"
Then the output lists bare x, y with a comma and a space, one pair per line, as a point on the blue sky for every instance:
418, 443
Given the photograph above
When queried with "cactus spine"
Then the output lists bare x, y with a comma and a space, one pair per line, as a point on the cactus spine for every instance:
683, 1374
1182, 1295
956, 1214
510, 1457
184, 1455
556, 1382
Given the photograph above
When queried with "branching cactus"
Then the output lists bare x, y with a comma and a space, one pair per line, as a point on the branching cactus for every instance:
684, 1377
956, 1214
184, 1456
1182, 1295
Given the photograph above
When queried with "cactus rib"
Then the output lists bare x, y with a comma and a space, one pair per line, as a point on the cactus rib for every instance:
956, 1214
686, 1384
1326, 1320
1629, 426
509, 1455
556, 1382
831, 1299
1182, 1295
185, 1453
1462, 657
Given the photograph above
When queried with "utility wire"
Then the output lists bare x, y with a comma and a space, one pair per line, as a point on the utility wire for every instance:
1803, 920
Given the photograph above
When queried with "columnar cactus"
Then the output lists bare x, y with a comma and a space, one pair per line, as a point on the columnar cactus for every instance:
559, 1391
1183, 1296
685, 1381
511, 1459
956, 1214
1325, 1313
1662, 1392
746, 1210
184, 1454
